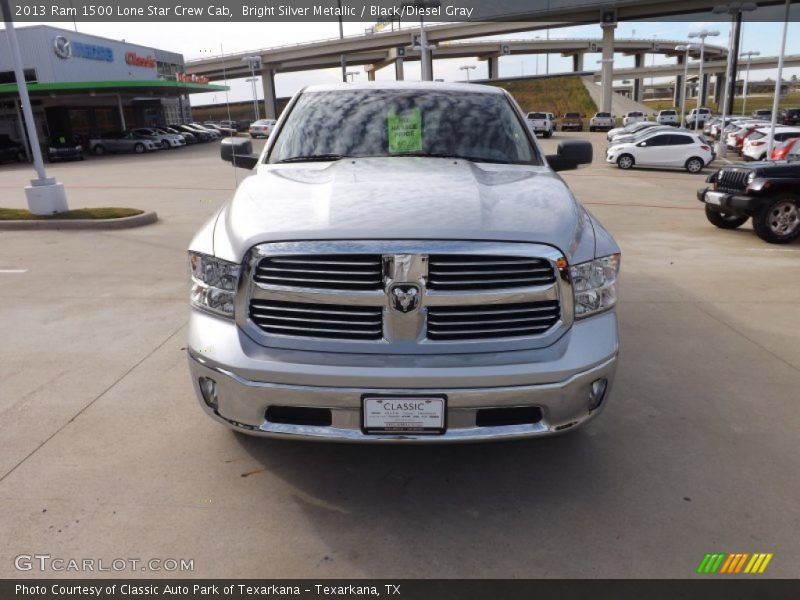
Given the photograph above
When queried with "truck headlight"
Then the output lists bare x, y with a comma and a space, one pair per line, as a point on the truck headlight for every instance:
594, 285
214, 283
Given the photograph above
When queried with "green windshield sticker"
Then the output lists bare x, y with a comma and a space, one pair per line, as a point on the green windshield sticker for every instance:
405, 131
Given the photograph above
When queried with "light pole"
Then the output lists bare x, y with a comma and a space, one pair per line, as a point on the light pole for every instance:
424, 48
352, 75
748, 55
467, 68
735, 10
684, 48
45, 195
342, 58
702, 34
778, 86
254, 62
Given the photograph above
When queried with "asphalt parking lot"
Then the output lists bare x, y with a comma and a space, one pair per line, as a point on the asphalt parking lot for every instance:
105, 454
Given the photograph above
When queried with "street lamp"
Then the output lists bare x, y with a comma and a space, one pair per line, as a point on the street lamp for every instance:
684, 48
352, 75
748, 56
776, 97
702, 34
467, 68
735, 10
254, 62
423, 47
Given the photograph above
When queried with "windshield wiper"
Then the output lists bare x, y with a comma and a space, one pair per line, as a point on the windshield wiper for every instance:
456, 156
313, 158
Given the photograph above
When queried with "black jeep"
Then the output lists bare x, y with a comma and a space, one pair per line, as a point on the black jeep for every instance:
769, 192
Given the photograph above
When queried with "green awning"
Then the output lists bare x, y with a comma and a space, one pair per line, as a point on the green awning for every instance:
161, 86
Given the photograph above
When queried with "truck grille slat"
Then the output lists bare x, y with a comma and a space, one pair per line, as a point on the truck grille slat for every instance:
299, 319
454, 272
481, 322
732, 181
345, 272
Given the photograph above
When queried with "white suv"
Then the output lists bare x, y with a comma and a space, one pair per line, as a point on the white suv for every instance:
633, 117
704, 115
667, 117
539, 122
602, 121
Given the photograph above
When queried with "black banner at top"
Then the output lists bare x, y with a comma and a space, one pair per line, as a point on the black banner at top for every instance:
383, 14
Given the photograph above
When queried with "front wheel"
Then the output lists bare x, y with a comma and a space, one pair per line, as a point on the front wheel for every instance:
725, 220
694, 165
138, 148
165, 144
99, 150
625, 161
779, 221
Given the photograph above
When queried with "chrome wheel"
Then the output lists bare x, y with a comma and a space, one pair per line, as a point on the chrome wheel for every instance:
784, 218
625, 161
694, 165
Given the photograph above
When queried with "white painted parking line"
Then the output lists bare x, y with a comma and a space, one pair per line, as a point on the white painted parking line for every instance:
13, 270
774, 249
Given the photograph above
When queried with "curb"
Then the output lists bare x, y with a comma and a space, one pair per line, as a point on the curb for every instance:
146, 218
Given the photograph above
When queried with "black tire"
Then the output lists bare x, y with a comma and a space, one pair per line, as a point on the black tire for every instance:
20, 157
165, 144
779, 221
99, 150
81, 157
139, 148
694, 165
725, 220
548, 134
625, 162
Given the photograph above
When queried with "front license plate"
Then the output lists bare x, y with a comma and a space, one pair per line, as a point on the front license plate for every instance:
714, 198
404, 414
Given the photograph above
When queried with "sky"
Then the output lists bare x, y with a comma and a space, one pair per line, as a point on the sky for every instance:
204, 39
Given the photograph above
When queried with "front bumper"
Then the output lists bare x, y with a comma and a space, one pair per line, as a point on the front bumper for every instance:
729, 202
251, 378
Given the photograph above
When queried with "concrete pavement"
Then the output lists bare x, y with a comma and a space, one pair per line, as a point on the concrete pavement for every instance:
104, 453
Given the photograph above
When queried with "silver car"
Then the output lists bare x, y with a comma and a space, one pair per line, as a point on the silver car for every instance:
408, 279
162, 138
122, 141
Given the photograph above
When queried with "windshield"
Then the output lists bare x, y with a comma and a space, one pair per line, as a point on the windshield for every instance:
406, 122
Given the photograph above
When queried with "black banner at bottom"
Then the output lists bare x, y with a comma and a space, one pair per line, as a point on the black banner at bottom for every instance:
401, 589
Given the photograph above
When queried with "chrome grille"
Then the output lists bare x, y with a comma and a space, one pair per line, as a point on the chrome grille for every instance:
729, 180
332, 321
492, 321
454, 272
344, 272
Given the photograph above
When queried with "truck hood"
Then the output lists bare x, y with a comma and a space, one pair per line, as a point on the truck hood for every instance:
403, 198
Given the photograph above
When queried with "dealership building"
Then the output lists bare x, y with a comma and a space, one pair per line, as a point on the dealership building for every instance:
84, 84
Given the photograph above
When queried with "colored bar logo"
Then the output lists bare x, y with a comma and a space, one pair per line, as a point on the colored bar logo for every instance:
731, 564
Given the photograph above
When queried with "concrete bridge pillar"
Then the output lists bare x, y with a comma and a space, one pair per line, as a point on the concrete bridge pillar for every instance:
677, 93
398, 69
719, 88
608, 65
494, 67
371, 75
638, 88
577, 62
703, 91
270, 100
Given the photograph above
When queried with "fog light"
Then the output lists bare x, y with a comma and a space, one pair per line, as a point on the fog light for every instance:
597, 393
208, 387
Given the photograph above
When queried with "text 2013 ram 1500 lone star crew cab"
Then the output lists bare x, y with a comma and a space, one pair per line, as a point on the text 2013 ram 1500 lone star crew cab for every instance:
403, 265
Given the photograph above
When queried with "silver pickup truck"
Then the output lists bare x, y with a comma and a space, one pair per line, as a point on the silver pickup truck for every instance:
403, 265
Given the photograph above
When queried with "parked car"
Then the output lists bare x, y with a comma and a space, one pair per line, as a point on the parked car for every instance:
122, 141
682, 149
789, 116
11, 150
765, 114
189, 138
539, 123
602, 121
214, 132
767, 192
163, 139
261, 128
64, 147
401, 313
735, 140
638, 135
755, 146
223, 131
201, 135
668, 117
782, 151
699, 115
572, 120
632, 128
632, 117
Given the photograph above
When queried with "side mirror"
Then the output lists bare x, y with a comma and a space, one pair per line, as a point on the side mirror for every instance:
642, 144
238, 152
570, 155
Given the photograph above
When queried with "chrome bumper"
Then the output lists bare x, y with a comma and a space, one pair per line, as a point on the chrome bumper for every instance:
250, 378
